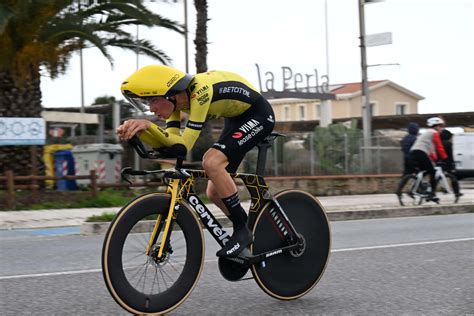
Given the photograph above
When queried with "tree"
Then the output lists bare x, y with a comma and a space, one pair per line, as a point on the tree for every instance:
337, 147
40, 36
201, 35
205, 140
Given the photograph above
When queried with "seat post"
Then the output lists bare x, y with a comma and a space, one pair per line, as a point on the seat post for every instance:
262, 152
262, 157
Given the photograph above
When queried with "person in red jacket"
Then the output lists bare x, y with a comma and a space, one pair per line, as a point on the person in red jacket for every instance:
423, 152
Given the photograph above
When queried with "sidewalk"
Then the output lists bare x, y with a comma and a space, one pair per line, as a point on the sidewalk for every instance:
345, 207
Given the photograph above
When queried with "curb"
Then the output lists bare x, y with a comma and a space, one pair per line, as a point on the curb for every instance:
402, 211
97, 228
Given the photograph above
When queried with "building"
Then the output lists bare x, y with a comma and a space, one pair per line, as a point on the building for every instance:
386, 98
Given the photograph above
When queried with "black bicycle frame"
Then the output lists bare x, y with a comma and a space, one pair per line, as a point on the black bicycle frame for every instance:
260, 198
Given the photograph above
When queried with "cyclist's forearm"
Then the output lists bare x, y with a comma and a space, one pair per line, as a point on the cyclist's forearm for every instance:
156, 137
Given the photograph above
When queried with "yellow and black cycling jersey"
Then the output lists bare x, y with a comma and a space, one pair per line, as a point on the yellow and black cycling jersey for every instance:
212, 95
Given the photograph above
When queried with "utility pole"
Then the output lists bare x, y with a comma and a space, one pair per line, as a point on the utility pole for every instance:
186, 48
366, 113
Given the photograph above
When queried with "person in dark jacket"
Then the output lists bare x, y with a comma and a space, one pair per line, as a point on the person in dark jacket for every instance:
406, 144
450, 166
408, 164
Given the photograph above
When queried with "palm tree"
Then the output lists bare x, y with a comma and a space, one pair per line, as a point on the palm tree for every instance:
205, 141
40, 36
201, 35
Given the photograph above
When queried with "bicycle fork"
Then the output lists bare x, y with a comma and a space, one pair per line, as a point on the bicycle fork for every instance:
173, 189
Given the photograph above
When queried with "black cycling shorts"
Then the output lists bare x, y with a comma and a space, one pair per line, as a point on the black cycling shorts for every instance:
244, 132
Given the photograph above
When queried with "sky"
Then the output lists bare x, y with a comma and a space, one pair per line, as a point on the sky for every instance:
431, 52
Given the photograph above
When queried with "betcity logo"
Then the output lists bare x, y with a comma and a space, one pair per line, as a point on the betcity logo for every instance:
237, 90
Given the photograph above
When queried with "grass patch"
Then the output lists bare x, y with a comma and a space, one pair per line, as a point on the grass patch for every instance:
75, 199
107, 198
104, 217
109, 216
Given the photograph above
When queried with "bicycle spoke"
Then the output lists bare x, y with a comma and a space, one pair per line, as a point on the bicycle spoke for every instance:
140, 281
154, 279
140, 253
144, 278
162, 276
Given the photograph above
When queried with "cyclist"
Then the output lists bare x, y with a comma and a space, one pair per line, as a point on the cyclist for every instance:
426, 149
248, 117
408, 165
450, 166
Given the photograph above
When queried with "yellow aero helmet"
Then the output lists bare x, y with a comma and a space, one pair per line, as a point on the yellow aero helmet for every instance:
153, 81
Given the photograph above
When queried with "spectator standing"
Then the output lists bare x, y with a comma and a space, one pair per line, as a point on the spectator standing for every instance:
408, 164
450, 166
406, 143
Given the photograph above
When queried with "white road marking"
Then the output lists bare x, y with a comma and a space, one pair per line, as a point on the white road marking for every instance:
402, 245
37, 275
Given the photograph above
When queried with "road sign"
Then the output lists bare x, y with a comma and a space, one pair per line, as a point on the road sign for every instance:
378, 39
22, 131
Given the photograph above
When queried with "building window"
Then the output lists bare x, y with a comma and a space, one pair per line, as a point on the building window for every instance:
286, 113
302, 110
373, 109
401, 109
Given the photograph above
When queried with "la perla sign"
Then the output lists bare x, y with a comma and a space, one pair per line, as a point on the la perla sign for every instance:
291, 80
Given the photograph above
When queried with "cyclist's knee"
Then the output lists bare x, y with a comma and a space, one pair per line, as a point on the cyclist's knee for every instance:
214, 161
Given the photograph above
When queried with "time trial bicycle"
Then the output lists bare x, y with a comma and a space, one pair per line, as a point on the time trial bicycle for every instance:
153, 251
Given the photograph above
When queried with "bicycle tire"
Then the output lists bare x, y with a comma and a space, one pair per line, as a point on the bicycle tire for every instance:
285, 276
129, 288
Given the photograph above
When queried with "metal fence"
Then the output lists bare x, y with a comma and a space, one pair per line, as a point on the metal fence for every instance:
302, 154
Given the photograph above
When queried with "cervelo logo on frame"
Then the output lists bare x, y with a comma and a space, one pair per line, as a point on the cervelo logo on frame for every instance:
221, 233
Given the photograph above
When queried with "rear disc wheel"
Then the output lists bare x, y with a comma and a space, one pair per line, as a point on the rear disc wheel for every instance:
291, 275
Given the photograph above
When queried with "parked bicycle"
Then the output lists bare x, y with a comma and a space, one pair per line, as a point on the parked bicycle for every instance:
418, 188
153, 252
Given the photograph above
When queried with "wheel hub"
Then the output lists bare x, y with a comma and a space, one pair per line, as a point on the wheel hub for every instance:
301, 249
165, 256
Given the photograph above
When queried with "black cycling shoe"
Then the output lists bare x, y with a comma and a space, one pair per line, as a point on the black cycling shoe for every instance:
432, 197
240, 240
457, 196
399, 196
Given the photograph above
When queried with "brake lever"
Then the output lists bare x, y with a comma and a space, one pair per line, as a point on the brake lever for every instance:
123, 174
